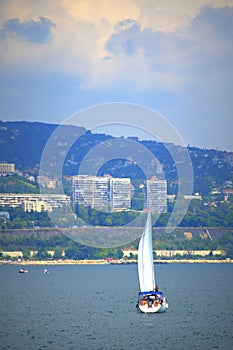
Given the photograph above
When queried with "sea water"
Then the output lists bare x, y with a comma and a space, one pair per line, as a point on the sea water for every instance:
93, 308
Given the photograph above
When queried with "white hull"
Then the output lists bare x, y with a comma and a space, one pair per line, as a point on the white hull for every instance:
153, 309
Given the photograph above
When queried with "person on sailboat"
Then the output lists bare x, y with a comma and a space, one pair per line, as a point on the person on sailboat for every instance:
150, 302
158, 297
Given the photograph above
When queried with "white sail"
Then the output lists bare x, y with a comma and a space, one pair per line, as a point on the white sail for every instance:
145, 259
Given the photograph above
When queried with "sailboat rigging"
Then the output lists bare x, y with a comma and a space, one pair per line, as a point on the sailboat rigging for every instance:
151, 300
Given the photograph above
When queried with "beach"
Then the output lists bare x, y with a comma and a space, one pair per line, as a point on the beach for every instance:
113, 261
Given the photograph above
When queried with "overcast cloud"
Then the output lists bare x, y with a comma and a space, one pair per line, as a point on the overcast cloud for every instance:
61, 56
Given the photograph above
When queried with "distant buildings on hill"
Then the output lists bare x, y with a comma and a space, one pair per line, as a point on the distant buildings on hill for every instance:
34, 202
45, 181
101, 192
156, 195
111, 194
7, 168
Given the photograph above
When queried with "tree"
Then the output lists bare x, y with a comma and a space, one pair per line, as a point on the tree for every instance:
119, 254
58, 253
26, 253
72, 252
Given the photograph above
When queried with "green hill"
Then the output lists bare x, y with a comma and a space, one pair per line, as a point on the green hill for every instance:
17, 184
22, 143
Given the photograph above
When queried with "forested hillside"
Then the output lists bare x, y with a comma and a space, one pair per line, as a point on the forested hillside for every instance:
23, 143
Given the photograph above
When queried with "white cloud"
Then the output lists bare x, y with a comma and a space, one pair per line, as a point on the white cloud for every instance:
110, 44
179, 50
168, 16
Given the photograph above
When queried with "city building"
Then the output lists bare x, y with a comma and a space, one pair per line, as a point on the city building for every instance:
101, 192
37, 206
18, 200
6, 168
91, 191
156, 195
194, 196
120, 193
44, 181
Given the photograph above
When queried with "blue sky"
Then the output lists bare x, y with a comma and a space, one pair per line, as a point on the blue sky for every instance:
58, 57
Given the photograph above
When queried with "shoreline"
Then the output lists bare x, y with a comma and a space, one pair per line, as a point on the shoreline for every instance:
113, 262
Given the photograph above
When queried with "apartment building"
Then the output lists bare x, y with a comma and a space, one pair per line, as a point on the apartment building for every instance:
91, 191
6, 168
156, 195
120, 193
37, 206
101, 192
42, 202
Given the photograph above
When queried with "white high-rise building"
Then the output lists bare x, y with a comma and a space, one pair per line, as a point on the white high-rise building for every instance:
101, 192
91, 191
156, 199
120, 193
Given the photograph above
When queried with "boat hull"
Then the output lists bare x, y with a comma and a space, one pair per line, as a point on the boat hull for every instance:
152, 309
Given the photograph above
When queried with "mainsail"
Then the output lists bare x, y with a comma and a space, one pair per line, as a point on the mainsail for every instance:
145, 259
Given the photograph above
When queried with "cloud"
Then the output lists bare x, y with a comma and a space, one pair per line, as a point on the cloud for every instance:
158, 52
174, 59
126, 54
177, 56
218, 20
169, 16
212, 49
33, 31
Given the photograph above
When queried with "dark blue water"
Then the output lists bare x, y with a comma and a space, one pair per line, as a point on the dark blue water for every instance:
93, 308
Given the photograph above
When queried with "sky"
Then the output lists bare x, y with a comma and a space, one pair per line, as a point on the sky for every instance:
60, 57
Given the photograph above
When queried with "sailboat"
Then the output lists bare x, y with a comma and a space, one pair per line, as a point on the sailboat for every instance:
150, 300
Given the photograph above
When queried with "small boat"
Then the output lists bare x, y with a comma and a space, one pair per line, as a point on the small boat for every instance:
45, 271
150, 300
23, 271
